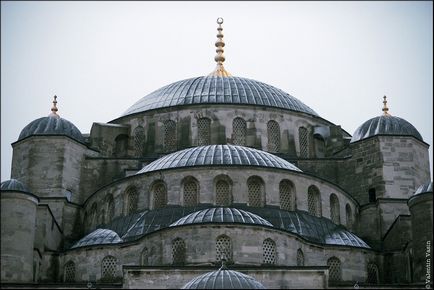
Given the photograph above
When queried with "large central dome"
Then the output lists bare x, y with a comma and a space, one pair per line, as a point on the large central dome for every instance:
219, 90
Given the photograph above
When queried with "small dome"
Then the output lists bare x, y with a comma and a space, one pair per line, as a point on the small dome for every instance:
51, 126
218, 155
385, 125
218, 90
13, 184
98, 237
221, 215
223, 279
424, 188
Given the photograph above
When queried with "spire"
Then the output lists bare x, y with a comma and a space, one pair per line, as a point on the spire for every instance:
220, 58
54, 109
385, 108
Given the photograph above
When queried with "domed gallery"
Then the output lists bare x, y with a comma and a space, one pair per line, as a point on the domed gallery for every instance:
212, 182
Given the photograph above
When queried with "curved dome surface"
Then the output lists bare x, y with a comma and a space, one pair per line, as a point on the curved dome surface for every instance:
385, 125
98, 237
424, 188
51, 126
218, 155
221, 215
13, 184
223, 279
219, 90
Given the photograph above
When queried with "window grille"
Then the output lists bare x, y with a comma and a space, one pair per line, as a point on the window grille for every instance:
139, 141
334, 209
273, 132
108, 267
70, 272
286, 190
190, 193
335, 269
349, 214
239, 127
160, 196
372, 273
255, 194
145, 254
223, 248
110, 209
314, 201
169, 136
223, 197
132, 199
203, 131
269, 251
300, 258
178, 251
304, 142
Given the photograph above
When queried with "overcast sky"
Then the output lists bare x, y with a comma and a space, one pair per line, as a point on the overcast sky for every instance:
99, 58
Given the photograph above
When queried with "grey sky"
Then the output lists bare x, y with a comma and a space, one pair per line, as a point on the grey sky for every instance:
339, 58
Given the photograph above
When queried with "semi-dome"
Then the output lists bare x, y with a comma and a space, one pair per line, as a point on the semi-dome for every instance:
52, 126
98, 237
221, 215
385, 125
223, 278
424, 188
218, 155
13, 184
214, 89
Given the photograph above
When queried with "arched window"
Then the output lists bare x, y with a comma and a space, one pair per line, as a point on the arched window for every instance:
69, 274
304, 142
110, 209
144, 257
139, 141
335, 272
273, 132
349, 215
256, 194
93, 215
287, 196
178, 251
300, 258
319, 145
169, 129
335, 209
372, 195
131, 197
160, 195
203, 131
314, 201
108, 268
223, 248
239, 129
372, 273
269, 252
223, 194
121, 145
190, 189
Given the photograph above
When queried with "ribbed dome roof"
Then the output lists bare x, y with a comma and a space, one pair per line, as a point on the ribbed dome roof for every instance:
224, 279
385, 125
13, 184
218, 155
98, 237
51, 126
221, 215
424, 188
218, 90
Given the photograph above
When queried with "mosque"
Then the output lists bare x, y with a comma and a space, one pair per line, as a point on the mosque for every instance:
217, 181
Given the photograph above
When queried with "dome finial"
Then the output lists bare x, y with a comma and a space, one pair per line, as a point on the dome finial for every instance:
54, 109
224, 263
385, 108
220, 58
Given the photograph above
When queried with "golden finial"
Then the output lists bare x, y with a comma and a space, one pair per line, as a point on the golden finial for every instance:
54, 108
220, 58
385, 108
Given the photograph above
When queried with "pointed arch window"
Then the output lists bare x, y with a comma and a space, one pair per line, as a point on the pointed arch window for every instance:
69, 275
178, 251
269, 252
145, 257
132, 198
349, 215
169, 131
287, 195
303, 142
239, 127
223, 248
256, 194
273, 133
160, 195
335, 209
372, 273
314, 201
203, 131
223, 194
108, 268
139, 141
335, 271
300, 258
110, 209
190, 189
